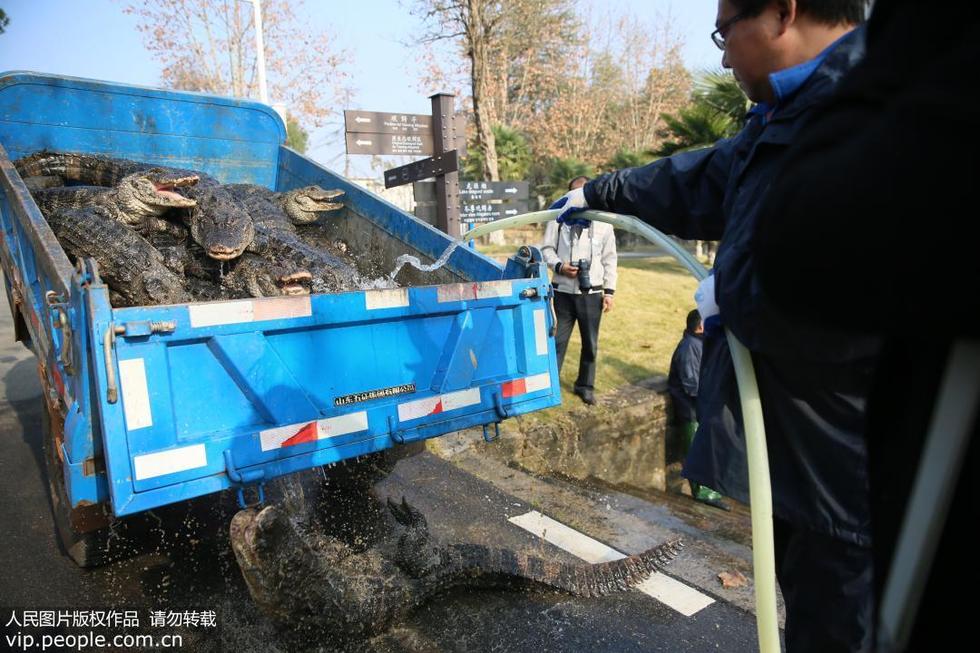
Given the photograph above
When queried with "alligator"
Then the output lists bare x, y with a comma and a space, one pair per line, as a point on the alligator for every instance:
216, 221
139, 200
274, 214
297, 206
308, 582
281, 247
128, 263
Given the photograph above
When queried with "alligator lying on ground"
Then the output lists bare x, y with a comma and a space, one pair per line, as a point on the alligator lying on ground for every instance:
216, 220
313, 583
128, 263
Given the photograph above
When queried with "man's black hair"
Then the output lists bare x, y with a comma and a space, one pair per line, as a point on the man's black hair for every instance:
693, 320
572, 182
831, 12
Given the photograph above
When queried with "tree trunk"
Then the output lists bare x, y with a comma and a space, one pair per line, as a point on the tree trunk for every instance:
479, 79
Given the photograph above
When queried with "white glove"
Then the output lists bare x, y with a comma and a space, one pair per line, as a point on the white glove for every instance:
704, 296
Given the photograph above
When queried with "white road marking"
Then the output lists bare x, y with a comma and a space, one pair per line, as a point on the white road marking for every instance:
675, 594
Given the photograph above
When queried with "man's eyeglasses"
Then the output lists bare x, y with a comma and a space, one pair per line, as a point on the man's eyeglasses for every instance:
718, 36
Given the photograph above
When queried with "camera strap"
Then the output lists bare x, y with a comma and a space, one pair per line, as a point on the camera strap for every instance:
571, 241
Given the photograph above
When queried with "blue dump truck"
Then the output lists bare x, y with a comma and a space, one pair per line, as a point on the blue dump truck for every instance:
148, 406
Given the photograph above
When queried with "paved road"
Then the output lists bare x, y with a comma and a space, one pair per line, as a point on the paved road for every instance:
181, 559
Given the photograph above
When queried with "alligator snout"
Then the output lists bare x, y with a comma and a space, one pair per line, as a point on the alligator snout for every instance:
224, 252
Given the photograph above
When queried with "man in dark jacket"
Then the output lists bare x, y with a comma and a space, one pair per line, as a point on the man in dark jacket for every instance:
788, 57
682, 384
859, 205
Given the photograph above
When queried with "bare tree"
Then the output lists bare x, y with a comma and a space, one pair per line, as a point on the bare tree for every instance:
614, 92
510, 48
209, 45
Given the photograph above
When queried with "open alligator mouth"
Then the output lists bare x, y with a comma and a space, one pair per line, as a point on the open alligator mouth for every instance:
166, 190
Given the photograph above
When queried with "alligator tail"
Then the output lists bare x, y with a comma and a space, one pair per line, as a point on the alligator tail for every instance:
84, 168
476, 562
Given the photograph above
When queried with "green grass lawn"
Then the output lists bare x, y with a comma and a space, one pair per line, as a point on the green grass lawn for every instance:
637, 338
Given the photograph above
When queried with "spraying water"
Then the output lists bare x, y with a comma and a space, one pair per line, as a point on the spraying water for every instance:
415, 263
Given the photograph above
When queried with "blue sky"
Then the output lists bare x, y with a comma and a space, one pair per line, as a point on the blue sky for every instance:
95, 39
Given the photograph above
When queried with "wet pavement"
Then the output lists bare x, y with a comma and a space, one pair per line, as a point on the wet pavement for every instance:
178, 559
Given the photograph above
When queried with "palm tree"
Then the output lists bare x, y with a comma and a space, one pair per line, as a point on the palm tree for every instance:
513, 156
627, 159
557, 174
717, 110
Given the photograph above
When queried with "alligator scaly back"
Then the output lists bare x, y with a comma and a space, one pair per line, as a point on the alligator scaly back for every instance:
127, 262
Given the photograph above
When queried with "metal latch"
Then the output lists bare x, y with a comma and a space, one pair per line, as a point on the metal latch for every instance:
59, 312
254, 477
129, 329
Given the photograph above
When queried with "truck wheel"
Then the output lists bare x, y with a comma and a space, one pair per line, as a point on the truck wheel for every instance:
87, 549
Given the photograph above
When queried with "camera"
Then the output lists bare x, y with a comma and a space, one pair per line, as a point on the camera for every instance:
584, 281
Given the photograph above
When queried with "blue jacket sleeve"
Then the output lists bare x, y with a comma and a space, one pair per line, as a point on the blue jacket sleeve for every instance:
680, 195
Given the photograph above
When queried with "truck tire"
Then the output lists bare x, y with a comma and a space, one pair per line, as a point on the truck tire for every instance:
86, 549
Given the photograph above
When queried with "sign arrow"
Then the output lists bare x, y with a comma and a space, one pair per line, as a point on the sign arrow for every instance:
510, 212
360, 142
511, 190
360, 119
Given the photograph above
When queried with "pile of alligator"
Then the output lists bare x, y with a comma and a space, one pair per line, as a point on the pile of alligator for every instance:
315, 585
165, 235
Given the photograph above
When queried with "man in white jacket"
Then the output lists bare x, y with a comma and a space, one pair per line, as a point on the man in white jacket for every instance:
582, 256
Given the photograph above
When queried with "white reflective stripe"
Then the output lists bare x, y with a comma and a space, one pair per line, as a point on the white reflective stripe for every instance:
455, 400
540, 333
331, 427
274, 438
418, 408
537, 382
388, 298
487, 289
342, 425
668, 591
435, 405
135, 394
170, 462
249, 310
281, 308
215, 313
456, 292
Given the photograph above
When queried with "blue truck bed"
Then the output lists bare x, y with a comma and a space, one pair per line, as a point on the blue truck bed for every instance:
154, 405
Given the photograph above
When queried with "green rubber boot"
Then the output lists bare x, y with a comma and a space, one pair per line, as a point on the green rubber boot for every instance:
699, 492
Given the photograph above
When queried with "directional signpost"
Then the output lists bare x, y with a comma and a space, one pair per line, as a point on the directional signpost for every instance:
442, 135
482, 201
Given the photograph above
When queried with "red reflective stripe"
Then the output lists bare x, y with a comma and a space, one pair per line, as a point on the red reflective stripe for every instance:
437, 409
513, 388
305, 434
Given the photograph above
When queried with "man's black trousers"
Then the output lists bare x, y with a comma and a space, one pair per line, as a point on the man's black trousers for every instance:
587, 311
827, 587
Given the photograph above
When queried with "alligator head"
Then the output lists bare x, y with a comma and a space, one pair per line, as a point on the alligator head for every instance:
304, 205
153, 191
219, 224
